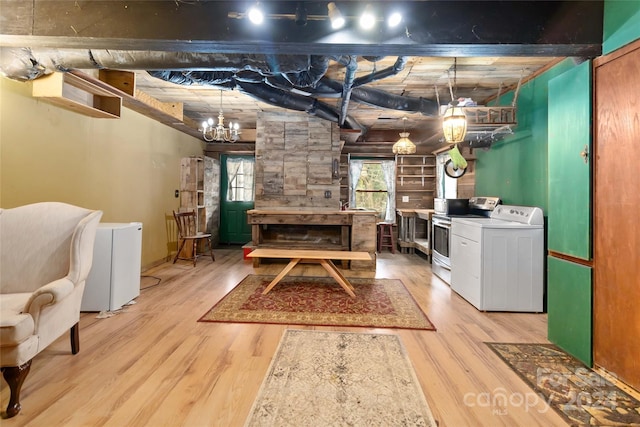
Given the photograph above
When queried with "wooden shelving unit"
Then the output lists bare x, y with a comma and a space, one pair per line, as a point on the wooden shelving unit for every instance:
192, 189
76, 94
344, 178
415, 181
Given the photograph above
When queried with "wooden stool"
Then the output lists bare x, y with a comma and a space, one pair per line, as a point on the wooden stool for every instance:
385, 237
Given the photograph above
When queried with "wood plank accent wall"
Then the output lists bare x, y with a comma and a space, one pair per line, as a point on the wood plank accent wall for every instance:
294, 157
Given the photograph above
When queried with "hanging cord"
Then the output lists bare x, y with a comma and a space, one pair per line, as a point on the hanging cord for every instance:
450, 87
515, 95
455, 77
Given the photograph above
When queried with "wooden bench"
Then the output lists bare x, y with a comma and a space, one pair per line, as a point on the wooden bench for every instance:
324, 258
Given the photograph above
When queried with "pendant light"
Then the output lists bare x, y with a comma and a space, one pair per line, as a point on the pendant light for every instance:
454, 121
404, 144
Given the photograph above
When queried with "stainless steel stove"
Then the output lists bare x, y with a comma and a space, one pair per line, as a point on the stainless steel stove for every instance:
445, 209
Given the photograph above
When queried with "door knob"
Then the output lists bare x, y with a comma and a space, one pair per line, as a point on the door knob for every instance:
585, 154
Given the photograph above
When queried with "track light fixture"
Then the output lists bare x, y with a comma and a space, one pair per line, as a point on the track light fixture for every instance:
368, 18
255, 13
301, 14
394, 19
335, 16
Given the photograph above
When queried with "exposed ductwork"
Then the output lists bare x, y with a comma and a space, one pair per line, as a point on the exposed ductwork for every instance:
28, 64
287, 81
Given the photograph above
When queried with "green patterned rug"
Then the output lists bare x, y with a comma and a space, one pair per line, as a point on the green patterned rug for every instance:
319, 379
580, 395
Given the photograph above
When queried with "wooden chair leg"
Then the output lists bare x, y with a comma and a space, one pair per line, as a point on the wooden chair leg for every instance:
195, 253
179, 250
15, 376
75, 338
211, 250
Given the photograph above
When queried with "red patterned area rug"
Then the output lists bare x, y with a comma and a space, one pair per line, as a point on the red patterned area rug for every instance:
379, 303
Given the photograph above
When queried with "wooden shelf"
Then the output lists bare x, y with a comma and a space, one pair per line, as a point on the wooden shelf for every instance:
76, 94
415, 180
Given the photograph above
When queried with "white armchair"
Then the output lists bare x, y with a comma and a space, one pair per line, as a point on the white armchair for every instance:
46, 250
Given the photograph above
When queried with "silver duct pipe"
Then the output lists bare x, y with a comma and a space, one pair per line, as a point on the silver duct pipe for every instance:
349, 77
28, 64
387, 72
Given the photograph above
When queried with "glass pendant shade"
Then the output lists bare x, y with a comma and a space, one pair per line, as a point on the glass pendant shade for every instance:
454, 125
404, 145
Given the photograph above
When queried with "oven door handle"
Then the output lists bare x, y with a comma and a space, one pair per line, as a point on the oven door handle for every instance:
443, 224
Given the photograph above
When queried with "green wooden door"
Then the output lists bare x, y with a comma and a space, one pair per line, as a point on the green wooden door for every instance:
569, 309
569, 212
236, 197
569, 284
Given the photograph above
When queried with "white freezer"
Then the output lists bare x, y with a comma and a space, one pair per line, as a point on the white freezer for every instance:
114, 279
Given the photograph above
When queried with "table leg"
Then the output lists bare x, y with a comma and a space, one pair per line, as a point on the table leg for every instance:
280, 276
336, 274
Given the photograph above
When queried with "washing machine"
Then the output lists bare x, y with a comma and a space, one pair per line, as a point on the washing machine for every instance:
497, 263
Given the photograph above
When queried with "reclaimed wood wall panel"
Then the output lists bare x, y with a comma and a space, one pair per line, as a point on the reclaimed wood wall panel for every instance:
363, 238
294, 158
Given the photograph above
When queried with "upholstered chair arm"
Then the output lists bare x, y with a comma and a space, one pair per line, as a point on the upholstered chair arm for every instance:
82, 247
47, 295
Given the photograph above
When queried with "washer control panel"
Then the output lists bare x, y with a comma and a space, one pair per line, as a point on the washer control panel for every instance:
522, 214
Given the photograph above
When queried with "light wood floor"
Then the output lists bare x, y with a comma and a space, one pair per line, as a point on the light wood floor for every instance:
155, 365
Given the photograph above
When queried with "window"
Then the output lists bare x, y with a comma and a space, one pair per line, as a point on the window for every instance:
373, 186
240, 179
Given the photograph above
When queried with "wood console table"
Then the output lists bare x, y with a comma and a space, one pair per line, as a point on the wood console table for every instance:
306, 229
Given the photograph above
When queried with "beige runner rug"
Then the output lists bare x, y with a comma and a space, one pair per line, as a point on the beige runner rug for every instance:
321, 378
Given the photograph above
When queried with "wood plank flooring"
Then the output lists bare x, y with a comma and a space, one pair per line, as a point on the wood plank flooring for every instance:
155, 365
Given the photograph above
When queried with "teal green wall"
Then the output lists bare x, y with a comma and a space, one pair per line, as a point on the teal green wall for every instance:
515, 169
621, 24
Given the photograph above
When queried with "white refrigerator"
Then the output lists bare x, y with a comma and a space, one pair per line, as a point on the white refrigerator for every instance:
114, 279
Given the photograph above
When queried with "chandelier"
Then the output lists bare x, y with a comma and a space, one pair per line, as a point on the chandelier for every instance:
454, 122
404, 144
219, 133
